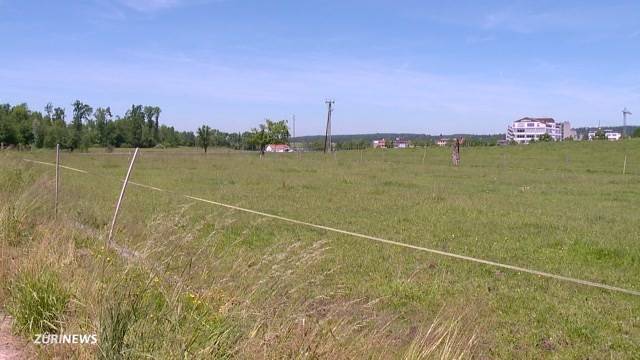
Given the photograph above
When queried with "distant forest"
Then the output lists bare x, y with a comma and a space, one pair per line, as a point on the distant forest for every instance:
85, 127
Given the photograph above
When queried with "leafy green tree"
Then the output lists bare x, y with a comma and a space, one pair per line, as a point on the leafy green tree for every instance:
636, 133
545, 138
271, 132
58, 116
56, 135
135, 122
278, 131
167, 136
260, 138
48, 110
600, 135
102, 120
81, 113
152, 115
23, 127
7, 131
204, 137
39, 128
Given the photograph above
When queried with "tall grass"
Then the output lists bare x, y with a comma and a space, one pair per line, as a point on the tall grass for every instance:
116, 318
37, 301
448, 337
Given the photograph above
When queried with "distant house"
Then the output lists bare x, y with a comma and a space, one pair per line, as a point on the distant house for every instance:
401, 143
277, 148
379, 144
443, 142
608, 134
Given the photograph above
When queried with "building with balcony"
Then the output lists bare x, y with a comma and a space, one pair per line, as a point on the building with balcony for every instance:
527, 129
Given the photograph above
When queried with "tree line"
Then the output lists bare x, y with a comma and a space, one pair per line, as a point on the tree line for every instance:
86, 127
271, 132
140, 126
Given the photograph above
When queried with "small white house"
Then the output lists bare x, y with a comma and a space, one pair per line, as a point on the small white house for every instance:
277, 148
608, 134
379, 144
401, 143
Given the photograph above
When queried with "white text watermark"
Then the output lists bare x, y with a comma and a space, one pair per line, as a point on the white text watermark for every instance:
52, 339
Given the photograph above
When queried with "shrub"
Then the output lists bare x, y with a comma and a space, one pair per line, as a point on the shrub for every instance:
37, 302
545, 138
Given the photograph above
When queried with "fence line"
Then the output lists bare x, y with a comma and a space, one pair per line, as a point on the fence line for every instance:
62, 166
390, 242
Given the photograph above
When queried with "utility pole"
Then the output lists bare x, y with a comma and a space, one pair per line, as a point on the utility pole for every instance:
327, 136
294, 132
625, 112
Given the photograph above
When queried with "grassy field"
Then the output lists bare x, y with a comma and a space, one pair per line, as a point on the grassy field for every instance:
235, 284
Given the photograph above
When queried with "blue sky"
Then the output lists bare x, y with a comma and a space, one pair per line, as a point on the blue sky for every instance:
391, 66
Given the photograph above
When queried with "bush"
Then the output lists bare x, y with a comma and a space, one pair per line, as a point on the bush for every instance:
545, 138
37, 302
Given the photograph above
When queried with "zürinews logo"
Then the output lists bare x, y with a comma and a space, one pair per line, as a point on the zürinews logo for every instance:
52, 339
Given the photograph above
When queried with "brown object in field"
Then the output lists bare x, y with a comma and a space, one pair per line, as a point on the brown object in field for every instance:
455, 151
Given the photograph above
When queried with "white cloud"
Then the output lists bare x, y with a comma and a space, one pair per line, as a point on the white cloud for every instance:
150, 5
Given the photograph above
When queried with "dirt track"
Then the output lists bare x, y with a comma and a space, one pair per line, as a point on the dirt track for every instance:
11, 347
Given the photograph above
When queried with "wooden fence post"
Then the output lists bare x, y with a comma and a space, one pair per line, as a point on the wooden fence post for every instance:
124, 187
55, 206
624, 166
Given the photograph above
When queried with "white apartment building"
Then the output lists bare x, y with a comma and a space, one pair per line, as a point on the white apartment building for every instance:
526, 129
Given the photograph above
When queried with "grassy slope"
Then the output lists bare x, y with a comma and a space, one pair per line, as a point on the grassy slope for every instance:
563, 208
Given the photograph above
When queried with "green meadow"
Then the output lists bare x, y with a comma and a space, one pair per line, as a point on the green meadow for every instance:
200, 280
